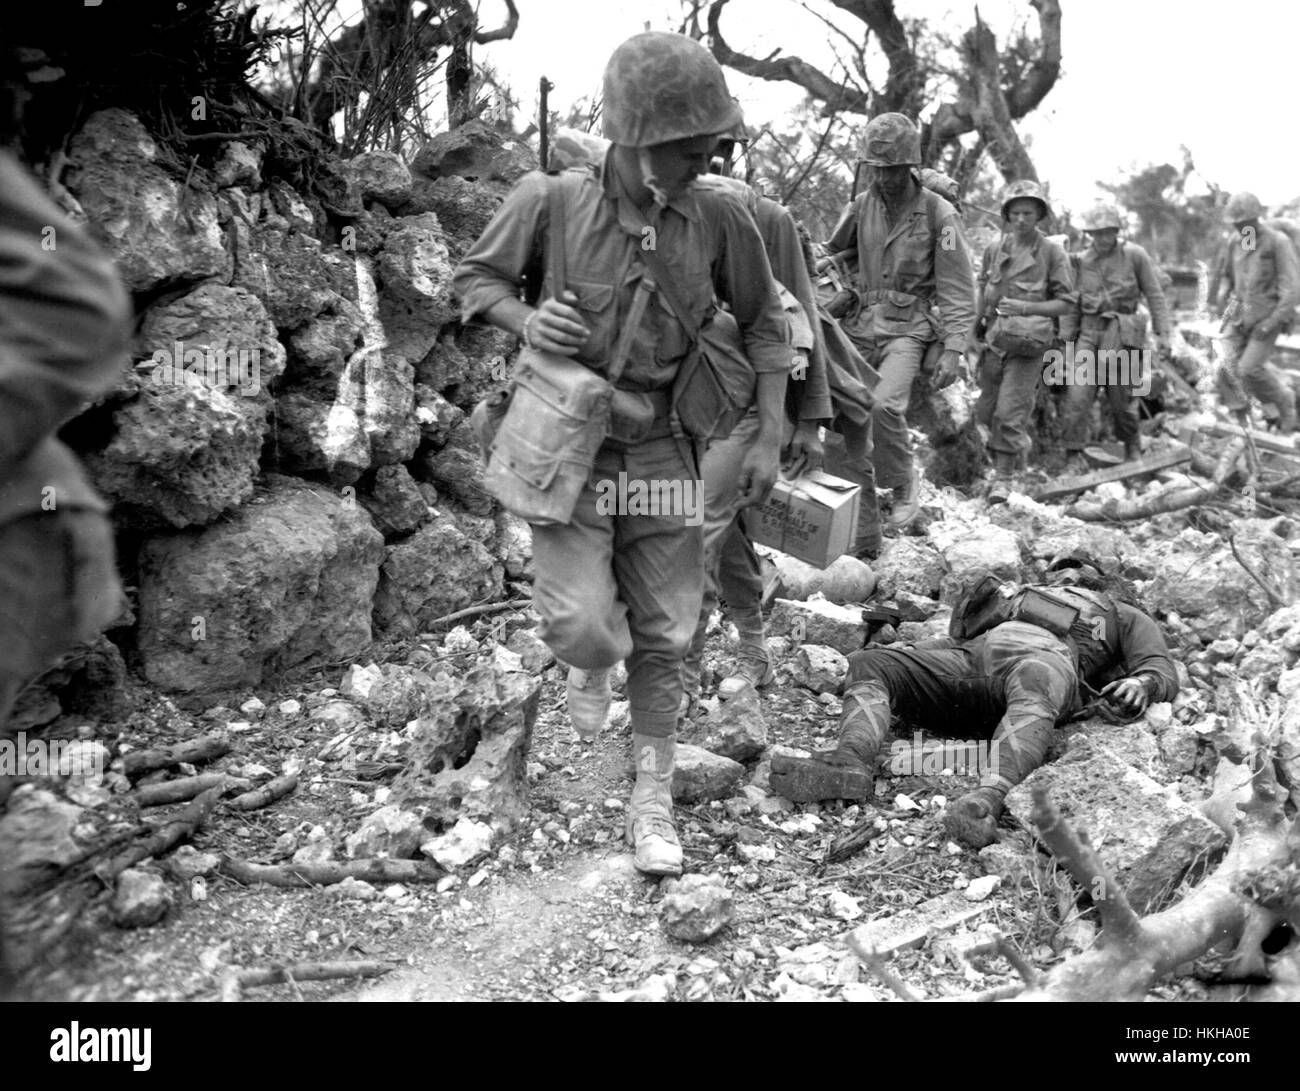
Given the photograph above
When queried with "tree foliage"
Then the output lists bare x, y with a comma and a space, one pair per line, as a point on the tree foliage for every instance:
1174, 226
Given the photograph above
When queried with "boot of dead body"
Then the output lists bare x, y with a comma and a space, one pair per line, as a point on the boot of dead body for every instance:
589, 698
907, 502
650, 830
972, 820
753, 663
848, 771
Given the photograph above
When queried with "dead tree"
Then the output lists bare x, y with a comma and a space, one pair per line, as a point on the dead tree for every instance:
991, 89
390, 49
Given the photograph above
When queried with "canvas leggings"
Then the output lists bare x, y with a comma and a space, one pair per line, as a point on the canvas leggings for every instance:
1012, 686
611, 587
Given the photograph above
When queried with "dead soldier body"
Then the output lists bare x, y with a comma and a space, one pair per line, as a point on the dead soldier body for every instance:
1012, 683
1104, 327
611, 586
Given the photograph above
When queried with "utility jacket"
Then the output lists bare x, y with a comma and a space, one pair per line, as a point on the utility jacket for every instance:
910, 266
706, 237
1114, 284
64, 333
1036, 275
1262, 271
1110, 635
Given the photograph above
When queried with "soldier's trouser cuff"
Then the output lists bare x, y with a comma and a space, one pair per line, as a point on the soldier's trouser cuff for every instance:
658, 725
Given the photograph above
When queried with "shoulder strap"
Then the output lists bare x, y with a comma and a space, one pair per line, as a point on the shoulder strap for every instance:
662, 279
556, 268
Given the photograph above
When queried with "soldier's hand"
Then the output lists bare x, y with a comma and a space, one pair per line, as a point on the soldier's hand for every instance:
1129, 694
949, 369
758, 473
557, 327
806, 451
1263, 330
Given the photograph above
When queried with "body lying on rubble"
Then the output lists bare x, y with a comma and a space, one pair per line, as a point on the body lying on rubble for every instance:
1007, 675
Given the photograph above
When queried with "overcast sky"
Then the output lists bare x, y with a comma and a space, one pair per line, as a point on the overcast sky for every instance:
1139, 77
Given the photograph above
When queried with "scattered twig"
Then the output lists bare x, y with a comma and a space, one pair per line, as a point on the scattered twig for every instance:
266, 794
486, 608
873, 962
233, 982
377, 870
1007, 950
1273, 597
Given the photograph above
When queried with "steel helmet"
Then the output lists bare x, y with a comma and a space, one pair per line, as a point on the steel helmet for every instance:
891, 140
1025, 188
1243, 206
1101, 216
661, 87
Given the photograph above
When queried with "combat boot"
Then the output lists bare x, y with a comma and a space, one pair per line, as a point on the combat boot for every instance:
1132, 449
754, 664
1004, 468
972, 821
848, 771
650, 830
907, 501
588, 699
1286, 420
1076, 465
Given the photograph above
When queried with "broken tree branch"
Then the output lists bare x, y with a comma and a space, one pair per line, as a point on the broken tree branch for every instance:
873, 962
1074, 851
1220, 910
1273, 597
379, 870
183, 788
194, 751
233, 982
164, 837
268, 793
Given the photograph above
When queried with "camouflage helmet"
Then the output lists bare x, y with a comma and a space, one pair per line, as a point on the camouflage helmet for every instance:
1243, 206
1102, 217
661, 87
1025, 188
891, 140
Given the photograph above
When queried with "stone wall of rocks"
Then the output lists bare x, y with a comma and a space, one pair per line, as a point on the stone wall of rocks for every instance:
289, 458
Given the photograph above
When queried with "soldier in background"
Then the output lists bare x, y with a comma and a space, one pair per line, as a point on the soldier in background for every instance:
1110, 279
1261, 273
1025, 284
916, 288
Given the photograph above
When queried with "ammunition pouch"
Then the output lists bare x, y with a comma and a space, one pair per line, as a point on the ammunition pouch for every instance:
1022, 334
716, 384
990, 602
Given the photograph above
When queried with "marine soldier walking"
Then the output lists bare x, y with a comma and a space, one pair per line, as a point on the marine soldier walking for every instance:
619, 586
